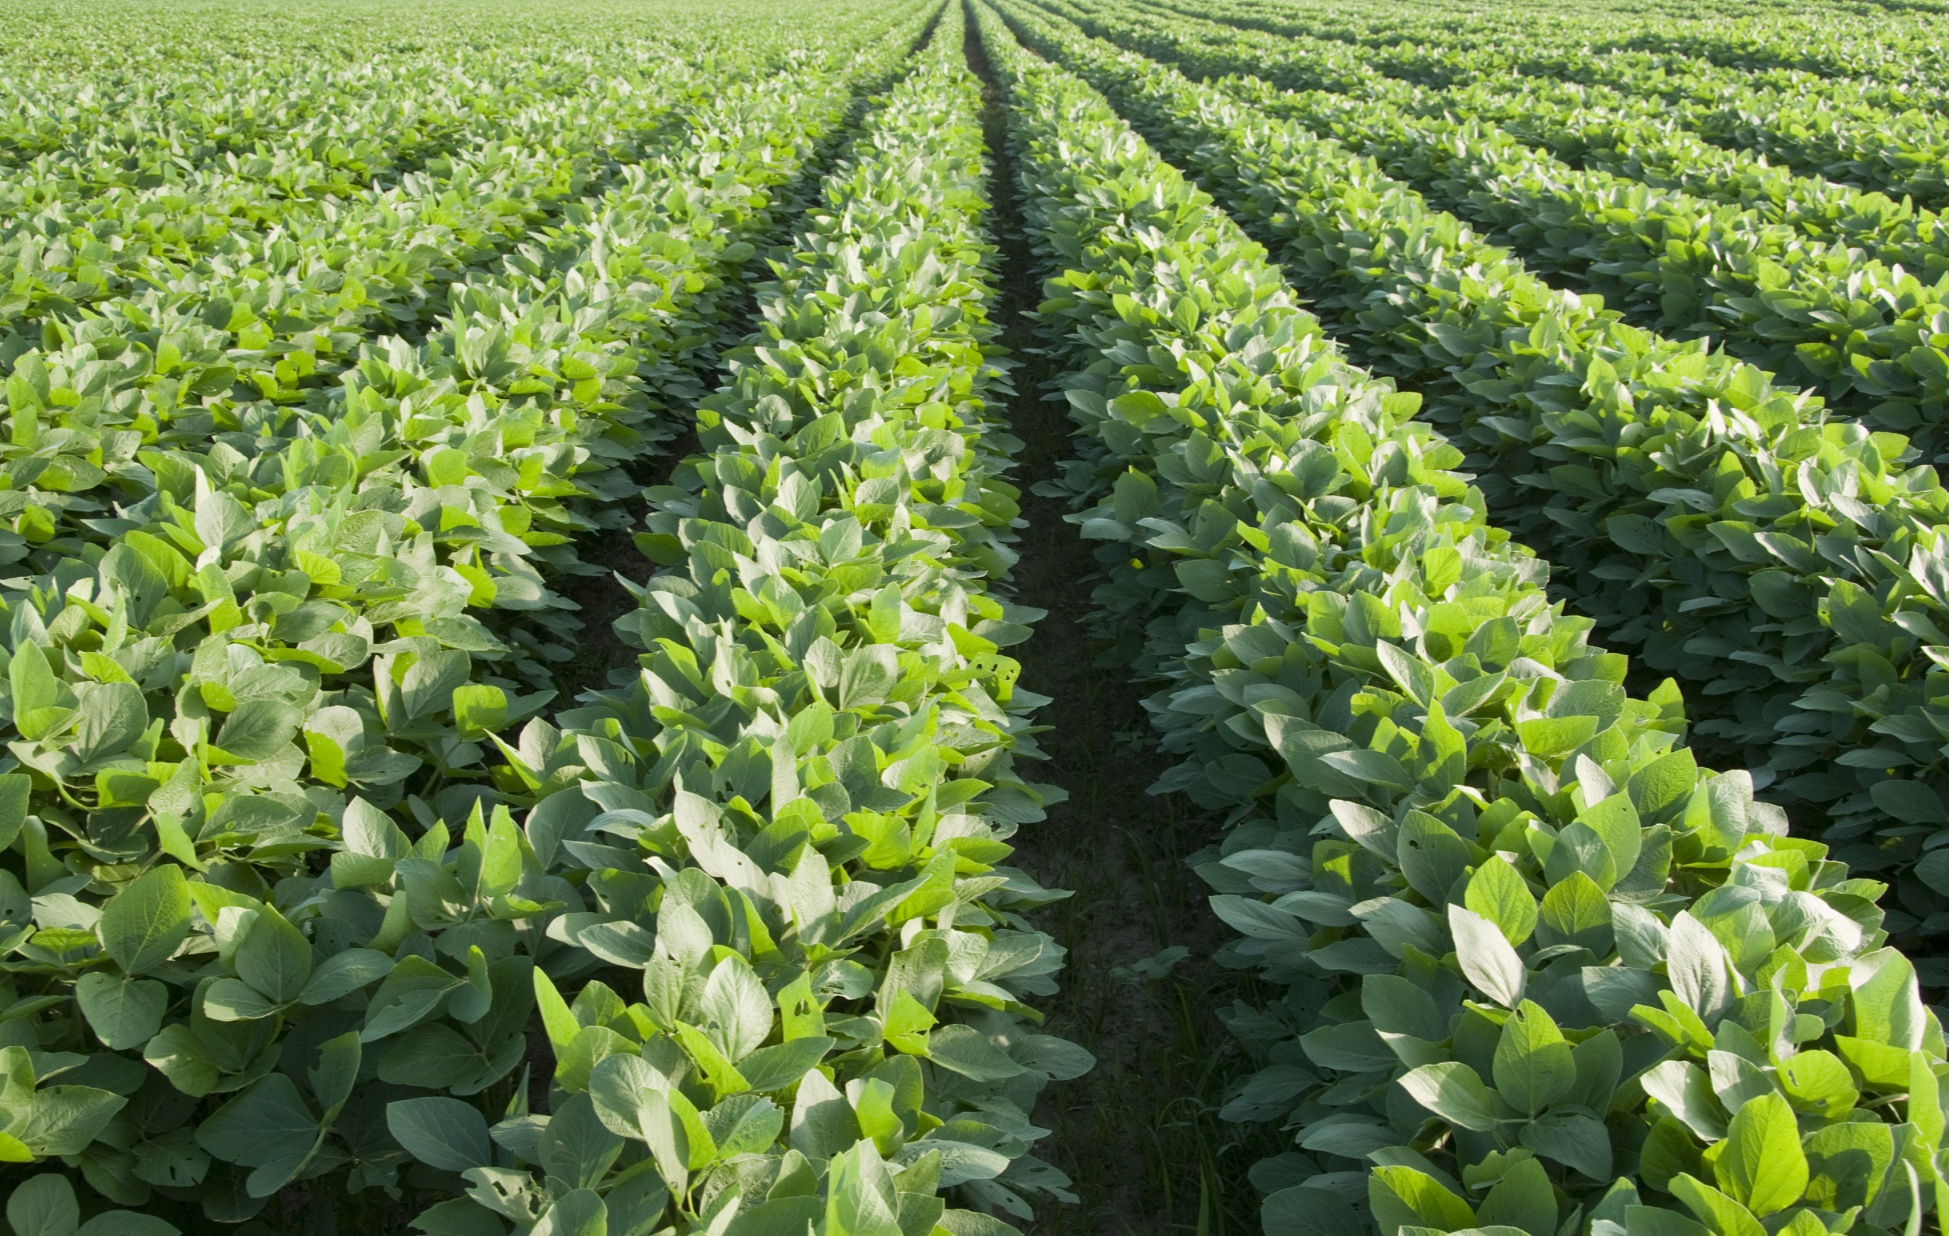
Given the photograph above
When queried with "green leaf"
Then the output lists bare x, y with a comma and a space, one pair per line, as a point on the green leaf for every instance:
1454, 1092
501, 862
1370, 767
344, 973
1687, 1094
65, 1119
265, 1124
616, 1087
576, 1146
429, 684
579, 1212
822, 1120
1888, 1007
171, 1159
1879, 1065
860, 1197
1762, 1165
1910, 801
1572, 1139
432, 1056
675, 1131
782, 1065
221, 519
1352, 1047
1697, 964
1397, 1005
126, 1223
336, 1072
716, 1069
258, 729
460, 1216
274, 957
1600, 1063
1549, 737
479, 710
1816, 1081
1303, 1211
785, 1216
1847, 1163
1498, 893
230, 999
1431, 855
15, 791
873, 1106
1615, 821
1576, 912
1533, 1064
1403, 1196
867, 674
113, 715
142, 925
967, 1051
409, 995
178, 1053
1722, 1214
1662, 786
1658, 1221
734, 1003
37, 692
441, 1132
1524, 1199
745, 1124
1578, 850
575, 1063
1488, 960
43, 1205
123, 1013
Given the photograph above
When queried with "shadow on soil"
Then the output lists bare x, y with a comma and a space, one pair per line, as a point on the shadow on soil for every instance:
1140, 1134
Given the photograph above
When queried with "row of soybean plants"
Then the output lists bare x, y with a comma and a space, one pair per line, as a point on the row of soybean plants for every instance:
115, 346
1635, 136
1596, 43
1815, 311
1885, 135
1778, 558
261, 876
796, 815
1881, 137
1658, 123
236, 81
1566, 45
1877, 151
114, 184
1538, 970
1865, 130
101, 219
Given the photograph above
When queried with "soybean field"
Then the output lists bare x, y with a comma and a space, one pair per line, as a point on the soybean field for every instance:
1226, 617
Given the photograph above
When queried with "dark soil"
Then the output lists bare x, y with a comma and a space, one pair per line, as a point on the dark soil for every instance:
600, 599
1139, 1135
